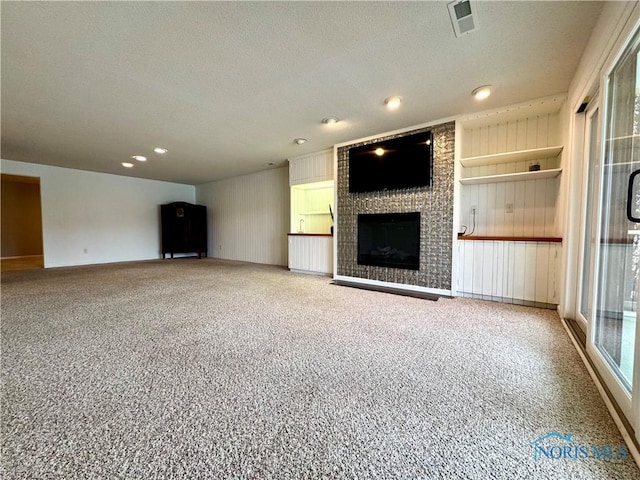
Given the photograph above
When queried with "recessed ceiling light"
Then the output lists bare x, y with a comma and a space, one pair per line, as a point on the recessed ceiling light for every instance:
482, 92
330, 120
127, 164
379, 151
139, 158
299, 141
393, 102
160, 150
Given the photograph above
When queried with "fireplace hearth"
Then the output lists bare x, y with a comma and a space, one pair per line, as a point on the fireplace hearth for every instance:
389, 240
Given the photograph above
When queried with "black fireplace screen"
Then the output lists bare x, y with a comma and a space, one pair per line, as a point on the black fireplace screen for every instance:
389, 240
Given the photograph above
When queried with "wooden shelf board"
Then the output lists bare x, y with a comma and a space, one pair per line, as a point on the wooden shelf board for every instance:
512, 177
512, 239
509, 157
309, 235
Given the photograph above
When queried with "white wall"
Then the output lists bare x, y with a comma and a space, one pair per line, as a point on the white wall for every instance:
248, 216
114, 218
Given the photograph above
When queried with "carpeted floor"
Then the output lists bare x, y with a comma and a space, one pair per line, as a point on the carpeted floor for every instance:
211, 369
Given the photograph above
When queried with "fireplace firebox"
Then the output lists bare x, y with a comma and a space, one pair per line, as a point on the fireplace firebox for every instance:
389, 240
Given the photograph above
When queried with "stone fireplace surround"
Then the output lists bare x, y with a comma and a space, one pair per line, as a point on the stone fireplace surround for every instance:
434, 203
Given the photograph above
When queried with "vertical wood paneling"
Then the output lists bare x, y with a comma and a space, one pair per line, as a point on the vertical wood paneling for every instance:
487, 268
514, 272
519, 206
311, 254
539, 226
248, 216
476, 272
541, 272
510, 255
529, 229
314, 167
466, 274
518, 270
498, 269
500, 213
553, 283
551, 198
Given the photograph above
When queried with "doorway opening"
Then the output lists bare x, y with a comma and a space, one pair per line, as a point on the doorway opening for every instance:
21, 214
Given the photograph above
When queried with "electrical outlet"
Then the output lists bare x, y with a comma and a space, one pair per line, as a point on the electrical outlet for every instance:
509, 207
85, 250
474, 209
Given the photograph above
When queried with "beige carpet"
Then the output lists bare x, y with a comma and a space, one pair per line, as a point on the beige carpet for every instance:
210, 369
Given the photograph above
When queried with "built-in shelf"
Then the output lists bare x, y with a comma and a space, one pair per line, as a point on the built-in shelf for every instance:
510, 157
512, 177
511, 239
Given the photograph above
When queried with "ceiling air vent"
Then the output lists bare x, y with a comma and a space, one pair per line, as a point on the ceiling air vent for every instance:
462, 17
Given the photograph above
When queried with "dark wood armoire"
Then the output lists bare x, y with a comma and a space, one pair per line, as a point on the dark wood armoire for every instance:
184, 228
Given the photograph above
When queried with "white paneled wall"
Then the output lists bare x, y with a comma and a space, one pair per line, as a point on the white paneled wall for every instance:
248, 216
522, 208
513, 272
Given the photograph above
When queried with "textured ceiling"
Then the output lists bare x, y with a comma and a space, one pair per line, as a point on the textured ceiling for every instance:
226, 87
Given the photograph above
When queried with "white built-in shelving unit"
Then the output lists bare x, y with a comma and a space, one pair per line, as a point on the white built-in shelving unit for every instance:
508, 207
515, 157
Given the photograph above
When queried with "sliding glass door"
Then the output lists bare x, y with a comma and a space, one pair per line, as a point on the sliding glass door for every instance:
589, 214
610, 288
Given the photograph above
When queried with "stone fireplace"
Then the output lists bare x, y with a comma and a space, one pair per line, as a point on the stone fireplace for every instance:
431, 206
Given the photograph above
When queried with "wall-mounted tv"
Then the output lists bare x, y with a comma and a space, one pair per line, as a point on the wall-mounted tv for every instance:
404, 162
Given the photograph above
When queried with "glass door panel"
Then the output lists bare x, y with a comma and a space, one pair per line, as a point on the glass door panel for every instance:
590, 214
619, 240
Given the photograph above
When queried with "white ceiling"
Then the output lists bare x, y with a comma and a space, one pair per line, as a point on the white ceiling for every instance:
226, 87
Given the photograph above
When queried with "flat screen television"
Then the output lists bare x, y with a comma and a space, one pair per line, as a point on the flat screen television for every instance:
404, 162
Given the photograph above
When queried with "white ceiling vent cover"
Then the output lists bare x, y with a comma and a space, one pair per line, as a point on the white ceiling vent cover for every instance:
462, 19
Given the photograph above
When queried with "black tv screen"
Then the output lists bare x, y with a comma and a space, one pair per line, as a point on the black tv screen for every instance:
404, 162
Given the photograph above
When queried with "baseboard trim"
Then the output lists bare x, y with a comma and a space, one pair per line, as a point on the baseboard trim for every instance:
310, 272
399, 288
23, 262
509, 300
578, 338
386, 289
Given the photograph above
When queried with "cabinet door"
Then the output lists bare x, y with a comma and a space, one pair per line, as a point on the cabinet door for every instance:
198, 228
175, 227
